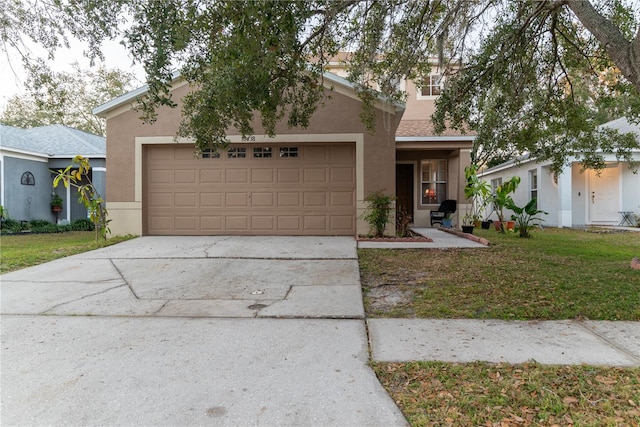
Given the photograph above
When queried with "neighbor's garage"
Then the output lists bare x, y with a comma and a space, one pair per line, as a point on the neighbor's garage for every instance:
253, 189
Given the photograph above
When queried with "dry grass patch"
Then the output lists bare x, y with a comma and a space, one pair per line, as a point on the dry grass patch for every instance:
483, 394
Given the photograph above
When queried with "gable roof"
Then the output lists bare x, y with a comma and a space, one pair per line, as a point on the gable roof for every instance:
329, 78
622, 125
53, 140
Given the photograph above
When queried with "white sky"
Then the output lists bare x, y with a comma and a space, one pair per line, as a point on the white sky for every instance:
12, 74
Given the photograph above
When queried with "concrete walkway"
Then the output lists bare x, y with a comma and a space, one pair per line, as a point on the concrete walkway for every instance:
238, 331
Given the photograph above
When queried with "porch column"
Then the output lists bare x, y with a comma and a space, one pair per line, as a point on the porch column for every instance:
564, 198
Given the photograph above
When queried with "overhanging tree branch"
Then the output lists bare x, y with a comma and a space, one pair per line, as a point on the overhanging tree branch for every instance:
624, 53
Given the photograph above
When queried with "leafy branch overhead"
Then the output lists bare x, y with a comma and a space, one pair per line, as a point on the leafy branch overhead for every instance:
533, 76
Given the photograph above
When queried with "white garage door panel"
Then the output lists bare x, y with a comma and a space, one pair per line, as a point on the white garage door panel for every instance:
312, 194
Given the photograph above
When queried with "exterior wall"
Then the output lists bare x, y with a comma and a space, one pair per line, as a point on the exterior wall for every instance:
16, 197
548, 197
418, 108
579, 196
630, 189
336, 121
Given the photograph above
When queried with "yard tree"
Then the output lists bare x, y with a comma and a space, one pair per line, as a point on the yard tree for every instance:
65, 98
530, 76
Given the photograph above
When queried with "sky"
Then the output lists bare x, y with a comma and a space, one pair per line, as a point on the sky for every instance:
12, 74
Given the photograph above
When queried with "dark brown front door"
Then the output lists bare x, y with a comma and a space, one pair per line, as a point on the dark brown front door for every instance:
404, 188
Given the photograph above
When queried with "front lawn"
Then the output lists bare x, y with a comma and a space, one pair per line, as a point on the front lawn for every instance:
556, 274
484, 394
25, 250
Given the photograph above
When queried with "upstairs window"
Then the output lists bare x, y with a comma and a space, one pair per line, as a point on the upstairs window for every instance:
431, 86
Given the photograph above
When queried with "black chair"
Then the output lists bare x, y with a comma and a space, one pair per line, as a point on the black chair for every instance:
446, 208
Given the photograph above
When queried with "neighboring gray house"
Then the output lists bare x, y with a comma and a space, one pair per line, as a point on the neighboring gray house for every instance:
576, 197
26, 158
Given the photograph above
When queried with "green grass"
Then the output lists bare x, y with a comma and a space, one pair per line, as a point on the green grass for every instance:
20, 251
474, 394
556, 274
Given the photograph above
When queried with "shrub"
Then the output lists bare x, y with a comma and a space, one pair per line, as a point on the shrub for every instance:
82, 225
37, 223
378, 212
11, 226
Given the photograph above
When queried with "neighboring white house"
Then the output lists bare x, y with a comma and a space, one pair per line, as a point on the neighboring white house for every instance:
575, 197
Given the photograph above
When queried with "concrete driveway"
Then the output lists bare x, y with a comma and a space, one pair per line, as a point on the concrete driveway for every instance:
191, 331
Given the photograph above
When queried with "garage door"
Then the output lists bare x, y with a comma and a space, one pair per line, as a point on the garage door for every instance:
290, 189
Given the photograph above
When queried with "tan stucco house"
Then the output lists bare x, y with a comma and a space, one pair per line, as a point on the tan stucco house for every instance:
309, 181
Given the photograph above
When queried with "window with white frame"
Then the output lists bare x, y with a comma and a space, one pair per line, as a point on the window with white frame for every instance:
433, 182
237, 153
495, 183
208, 153
533, 185
262, 152
431, 86
286, 152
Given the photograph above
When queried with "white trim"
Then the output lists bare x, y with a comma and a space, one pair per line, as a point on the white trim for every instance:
25, 155
70, 157
99, 169
434, 138
421, 97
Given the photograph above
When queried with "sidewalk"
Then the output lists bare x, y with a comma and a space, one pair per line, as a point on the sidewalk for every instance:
566, 342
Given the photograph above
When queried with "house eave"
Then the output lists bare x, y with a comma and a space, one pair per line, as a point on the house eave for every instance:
330, 80
5, 150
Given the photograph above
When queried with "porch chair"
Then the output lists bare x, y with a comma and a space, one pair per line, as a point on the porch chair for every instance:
446, 208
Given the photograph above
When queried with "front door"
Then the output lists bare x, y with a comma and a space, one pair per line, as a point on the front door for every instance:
604, 200
404, 188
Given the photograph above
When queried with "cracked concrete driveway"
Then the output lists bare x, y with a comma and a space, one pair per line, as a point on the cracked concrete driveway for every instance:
191, 331
196, 276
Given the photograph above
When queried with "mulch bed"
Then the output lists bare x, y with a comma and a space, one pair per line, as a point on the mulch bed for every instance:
413, 239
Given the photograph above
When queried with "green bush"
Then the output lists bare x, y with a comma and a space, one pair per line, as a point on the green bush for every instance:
378, 212
82, 225
37, 223
10, 226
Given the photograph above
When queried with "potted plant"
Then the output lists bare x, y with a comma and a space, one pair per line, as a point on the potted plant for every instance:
56, 203
501, 198
525, 217
468, 223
